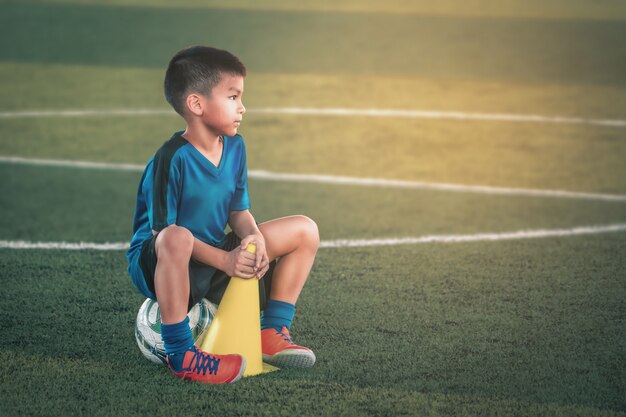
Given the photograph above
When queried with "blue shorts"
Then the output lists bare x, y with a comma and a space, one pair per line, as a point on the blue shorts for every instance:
204, 281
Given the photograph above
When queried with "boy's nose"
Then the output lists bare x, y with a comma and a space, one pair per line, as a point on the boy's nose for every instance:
242, 109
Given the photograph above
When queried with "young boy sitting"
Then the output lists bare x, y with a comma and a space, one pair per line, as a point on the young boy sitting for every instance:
194, 185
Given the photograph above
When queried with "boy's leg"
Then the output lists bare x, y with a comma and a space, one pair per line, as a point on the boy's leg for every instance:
295, 240
173, 247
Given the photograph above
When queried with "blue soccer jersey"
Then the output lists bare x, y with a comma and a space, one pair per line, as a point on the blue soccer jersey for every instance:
181, 186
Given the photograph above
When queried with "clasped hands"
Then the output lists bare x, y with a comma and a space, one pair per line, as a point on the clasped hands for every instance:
243, 264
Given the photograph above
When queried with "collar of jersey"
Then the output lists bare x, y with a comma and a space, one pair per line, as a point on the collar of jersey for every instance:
216, 170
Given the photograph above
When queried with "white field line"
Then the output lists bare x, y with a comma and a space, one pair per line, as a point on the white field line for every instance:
85, 113
65, 163
22, 244
420, 185
480, 237
316, 111
445, 115
358, 243
339, 180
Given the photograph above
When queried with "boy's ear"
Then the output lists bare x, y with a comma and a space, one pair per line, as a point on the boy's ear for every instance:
194, 104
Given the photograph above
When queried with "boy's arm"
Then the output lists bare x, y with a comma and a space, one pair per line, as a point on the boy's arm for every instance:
237, 263
209, 255
243, 224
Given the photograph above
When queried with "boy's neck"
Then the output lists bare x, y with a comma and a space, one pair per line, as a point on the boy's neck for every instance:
207, 144
202, 139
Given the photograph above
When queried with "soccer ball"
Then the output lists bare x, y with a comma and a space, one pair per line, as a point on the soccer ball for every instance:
148, 327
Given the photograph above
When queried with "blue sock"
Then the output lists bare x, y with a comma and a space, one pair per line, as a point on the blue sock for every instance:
277, 314
177, 339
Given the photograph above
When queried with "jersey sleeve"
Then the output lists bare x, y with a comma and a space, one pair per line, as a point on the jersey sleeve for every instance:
241, 200
165, 190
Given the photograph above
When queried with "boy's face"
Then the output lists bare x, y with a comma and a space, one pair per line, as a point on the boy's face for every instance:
223, 109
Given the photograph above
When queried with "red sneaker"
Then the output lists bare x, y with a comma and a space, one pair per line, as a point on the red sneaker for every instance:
211, 369
279, 350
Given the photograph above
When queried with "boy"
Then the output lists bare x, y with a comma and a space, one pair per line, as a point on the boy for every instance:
194, 185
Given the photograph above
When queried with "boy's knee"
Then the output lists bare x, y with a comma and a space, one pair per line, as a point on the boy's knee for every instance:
174, 241
310, 232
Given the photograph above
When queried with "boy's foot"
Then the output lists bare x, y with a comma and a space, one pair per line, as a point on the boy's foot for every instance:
279, 350
212, 369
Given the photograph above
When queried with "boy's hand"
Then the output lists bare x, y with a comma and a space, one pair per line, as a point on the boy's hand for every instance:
240, 263
261, 260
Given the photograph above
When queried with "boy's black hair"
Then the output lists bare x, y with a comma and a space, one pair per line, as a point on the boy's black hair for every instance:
197, 69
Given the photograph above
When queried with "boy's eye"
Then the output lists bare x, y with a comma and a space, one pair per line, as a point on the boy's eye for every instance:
232, 97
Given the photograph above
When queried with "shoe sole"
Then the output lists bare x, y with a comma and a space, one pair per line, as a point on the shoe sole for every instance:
291, 358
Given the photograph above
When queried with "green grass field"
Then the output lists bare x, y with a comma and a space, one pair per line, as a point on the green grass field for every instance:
516, 327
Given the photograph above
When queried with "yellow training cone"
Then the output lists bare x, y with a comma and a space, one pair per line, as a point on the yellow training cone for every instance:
236, 327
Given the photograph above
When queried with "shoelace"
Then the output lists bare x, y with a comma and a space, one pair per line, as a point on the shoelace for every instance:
286, 337
202, 362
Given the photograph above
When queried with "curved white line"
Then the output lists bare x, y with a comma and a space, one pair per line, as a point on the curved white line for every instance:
480, 237
340, 180
358, 243
330, 111
446, 115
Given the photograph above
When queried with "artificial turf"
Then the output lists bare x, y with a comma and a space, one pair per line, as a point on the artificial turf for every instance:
513, 328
